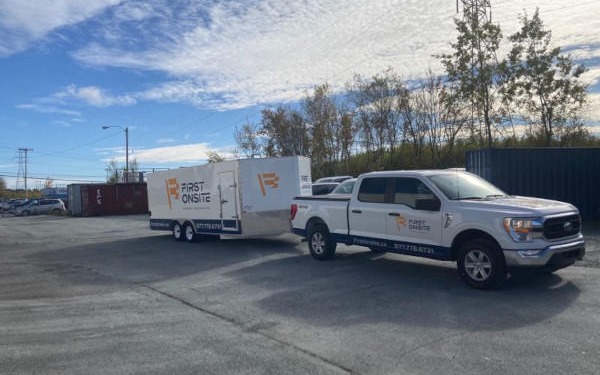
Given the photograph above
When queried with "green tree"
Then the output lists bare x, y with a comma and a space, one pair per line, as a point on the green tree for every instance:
2, 187
321, 117
473, 67
378, 103
543, 82
285, 132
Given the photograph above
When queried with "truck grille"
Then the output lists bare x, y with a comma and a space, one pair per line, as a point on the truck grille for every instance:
559, 227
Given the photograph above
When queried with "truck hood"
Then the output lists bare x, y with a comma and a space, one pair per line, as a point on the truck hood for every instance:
521, 205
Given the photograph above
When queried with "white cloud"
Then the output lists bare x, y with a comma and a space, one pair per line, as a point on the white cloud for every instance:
236, 53
23, 22
45, 108
190, 153
242, 53
92, 95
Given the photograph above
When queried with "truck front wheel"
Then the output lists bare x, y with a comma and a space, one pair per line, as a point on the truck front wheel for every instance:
481, 265
320, 244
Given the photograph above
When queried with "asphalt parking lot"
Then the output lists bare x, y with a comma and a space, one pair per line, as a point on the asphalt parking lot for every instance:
106, 295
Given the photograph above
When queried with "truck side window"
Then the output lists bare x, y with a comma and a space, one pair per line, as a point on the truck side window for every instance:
372, 190
408, 190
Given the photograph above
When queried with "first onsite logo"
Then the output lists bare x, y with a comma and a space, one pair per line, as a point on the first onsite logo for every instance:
172, 190
268, 179
188, 192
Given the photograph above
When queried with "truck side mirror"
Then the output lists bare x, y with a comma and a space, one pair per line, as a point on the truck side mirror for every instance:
428, 204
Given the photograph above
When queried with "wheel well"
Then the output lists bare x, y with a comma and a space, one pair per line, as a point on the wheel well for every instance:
312, 222
467, 235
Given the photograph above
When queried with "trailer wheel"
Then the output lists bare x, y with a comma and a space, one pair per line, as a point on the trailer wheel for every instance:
177, 232
320, 244
188, 233
481, 264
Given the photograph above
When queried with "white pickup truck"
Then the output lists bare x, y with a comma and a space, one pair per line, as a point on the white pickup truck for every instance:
447, 215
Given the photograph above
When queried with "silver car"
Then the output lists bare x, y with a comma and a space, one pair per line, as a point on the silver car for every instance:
41, 206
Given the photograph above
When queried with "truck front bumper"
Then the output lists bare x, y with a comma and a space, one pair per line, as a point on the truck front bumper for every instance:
551, 258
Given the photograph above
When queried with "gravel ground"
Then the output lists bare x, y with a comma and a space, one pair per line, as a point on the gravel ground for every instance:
591, 232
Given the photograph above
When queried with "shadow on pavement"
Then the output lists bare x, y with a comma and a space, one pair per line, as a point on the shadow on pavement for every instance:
365, 288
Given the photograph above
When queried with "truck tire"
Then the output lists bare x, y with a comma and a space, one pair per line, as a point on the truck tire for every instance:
188, 233
481, 264
320, 244
177, 232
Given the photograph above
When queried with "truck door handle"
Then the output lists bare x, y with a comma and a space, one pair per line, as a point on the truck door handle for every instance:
393, 214
224, 201
356, 211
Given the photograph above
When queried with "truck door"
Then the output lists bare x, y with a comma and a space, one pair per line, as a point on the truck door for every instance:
408, 221
368, 214
228, 201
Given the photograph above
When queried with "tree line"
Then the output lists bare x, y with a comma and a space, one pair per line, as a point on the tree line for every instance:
532, 97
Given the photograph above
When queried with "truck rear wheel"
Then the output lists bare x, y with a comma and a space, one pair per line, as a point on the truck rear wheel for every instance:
188, 233
177, 232
320, 244
481, 265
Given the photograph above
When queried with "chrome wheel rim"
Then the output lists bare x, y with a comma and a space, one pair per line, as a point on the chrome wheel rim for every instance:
177, 231
478, 265
189, 233
318, 243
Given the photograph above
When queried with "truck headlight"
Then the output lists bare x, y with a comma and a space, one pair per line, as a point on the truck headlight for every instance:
523, 229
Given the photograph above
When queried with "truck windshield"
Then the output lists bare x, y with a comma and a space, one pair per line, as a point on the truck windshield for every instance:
461, 185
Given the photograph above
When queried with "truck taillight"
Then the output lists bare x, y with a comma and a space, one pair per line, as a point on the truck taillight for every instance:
293, 211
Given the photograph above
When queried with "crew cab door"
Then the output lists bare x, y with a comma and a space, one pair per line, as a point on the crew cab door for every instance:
367, 214
414, 215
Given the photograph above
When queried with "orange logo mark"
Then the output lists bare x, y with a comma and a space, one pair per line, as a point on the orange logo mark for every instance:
401, 222
172, 189
269, 179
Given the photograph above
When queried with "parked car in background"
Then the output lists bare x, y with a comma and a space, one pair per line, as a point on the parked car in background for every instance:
9, 204
322, 188
333, 179
41, 206
344, 187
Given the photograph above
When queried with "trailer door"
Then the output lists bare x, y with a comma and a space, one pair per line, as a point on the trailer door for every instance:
228, 197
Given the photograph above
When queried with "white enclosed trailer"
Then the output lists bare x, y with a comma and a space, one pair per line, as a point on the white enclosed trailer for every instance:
246, 197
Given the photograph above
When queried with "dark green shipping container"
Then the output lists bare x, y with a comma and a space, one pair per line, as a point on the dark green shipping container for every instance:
565, 174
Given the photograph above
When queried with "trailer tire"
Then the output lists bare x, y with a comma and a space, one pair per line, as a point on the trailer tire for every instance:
320, 243
177, 232
481, 264
189, 235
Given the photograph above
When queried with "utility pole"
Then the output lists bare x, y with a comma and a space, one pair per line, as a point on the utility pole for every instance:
24, 151
476, 7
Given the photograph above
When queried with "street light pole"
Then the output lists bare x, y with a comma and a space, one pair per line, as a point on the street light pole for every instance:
126, 154
126, 129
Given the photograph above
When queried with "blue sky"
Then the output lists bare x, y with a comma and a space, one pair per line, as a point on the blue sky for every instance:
181, 75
